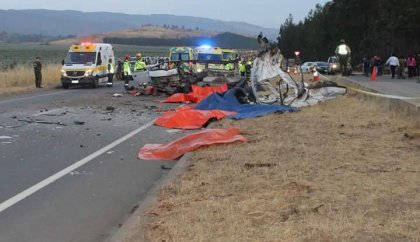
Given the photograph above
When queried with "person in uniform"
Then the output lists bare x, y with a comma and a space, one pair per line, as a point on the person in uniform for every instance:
111, 71
38, 74
127, 71
140, 65
343, 52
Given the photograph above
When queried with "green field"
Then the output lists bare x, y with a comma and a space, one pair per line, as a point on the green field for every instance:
18, 54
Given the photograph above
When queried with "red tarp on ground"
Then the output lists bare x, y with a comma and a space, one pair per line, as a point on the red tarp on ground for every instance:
189, 118
175, 149
198, 93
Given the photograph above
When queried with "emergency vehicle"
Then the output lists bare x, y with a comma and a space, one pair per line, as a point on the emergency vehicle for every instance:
86, 64
182, 54
212, 68
205, 55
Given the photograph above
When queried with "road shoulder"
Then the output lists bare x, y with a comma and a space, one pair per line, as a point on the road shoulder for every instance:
135, 226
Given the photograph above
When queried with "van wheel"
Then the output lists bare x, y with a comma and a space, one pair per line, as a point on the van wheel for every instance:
95, 82
65, 85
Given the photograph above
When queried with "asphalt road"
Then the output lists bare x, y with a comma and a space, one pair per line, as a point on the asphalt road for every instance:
68, 162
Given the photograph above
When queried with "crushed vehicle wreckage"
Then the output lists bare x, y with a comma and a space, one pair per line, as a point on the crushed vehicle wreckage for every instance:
270, 84
227, 94
206, 66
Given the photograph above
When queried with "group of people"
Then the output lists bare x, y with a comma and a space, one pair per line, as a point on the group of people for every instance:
123, 71
245, 66
397, 65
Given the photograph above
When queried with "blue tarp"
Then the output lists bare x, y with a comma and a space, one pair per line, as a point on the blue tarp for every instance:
228, 102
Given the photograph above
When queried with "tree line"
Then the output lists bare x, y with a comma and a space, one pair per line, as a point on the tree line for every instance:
374, 27
23, 38
224, 40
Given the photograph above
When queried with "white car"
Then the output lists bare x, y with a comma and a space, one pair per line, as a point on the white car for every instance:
307, 67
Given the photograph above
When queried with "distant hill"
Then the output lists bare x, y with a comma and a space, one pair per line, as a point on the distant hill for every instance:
64, 23
159, 36
224, 40
149, 32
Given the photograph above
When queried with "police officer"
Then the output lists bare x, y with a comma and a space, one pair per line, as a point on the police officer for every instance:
127, 71
248, 66
242, 67
37, 69
139, 65
343, 52
111, 71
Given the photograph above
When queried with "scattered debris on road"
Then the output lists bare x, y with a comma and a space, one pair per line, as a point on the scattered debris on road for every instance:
110, 108
41, 122
79, 122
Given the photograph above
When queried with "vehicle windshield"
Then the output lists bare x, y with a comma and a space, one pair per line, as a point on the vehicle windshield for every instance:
176, 56
228, 56
321, 63
211, 57
333, 60
87, 58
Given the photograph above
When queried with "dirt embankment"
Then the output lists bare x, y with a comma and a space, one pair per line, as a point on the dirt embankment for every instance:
344, 170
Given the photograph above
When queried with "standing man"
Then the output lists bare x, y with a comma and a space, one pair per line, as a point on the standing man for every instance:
111, 72
343, 52
38, 74
139, 65
127, 71
242, 67
393, 63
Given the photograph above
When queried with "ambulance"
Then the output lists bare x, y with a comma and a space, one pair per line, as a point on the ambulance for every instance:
184, 55
86, 64
230, 55
207, 59
181, 53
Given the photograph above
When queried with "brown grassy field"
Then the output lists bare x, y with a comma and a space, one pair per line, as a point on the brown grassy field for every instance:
344, 170
22, 78
144, 32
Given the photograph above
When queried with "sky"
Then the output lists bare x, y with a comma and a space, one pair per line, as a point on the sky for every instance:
266, 13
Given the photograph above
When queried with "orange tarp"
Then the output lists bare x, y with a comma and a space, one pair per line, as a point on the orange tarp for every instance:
181, 98
189, 118
175, 149
198, 93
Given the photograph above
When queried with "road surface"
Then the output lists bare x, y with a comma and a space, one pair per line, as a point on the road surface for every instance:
69, 167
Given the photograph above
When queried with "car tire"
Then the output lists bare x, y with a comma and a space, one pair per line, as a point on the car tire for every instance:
94, 83
65, 85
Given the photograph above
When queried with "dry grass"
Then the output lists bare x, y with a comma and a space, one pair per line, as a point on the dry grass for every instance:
144, 32
22, 78
340, 171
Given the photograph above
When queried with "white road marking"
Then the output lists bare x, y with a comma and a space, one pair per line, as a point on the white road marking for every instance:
31, 97
31, 190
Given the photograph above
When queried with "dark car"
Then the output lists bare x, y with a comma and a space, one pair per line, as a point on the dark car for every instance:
322, 67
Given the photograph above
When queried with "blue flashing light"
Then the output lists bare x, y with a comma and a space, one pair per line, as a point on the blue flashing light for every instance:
205, 46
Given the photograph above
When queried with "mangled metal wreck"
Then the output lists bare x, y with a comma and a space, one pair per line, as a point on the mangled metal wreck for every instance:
270, 84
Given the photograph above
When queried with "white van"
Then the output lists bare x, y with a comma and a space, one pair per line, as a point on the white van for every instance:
87, 64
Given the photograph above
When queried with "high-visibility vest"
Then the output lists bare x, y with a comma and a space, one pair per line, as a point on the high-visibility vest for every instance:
249, 63
343, 49
139, 66
126, 66
229, 66
111, 69
242, 67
